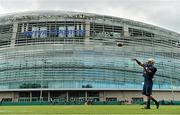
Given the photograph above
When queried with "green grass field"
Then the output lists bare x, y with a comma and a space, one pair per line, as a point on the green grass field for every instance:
91, 109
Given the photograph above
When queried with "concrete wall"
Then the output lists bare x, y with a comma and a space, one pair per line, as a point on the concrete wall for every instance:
128, 95
120, 95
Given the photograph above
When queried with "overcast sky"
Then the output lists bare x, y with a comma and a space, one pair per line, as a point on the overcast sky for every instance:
163, 13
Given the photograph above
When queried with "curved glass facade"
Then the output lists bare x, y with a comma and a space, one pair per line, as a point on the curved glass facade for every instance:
75, 50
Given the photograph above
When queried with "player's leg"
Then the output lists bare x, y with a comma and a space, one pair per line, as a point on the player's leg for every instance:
155, 101
148, 94
148, 102
145, 92
151, 98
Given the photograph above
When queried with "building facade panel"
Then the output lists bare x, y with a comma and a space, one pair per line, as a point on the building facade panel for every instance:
78, 50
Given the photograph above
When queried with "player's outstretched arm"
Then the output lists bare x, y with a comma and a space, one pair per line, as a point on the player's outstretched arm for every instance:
138, 62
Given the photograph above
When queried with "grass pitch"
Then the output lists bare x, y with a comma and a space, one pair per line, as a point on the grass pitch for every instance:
91, 109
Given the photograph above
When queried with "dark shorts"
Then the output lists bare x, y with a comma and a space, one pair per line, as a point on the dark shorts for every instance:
147, 90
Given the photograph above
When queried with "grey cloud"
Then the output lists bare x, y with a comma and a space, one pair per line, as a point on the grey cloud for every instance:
163, 13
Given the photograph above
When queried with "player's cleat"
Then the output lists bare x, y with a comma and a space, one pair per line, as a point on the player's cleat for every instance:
157, 105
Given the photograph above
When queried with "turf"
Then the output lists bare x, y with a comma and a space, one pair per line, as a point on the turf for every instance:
91, 109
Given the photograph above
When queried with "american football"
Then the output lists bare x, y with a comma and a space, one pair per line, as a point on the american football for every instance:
119, 44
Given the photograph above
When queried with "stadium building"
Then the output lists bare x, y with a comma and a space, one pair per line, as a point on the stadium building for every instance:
72, 56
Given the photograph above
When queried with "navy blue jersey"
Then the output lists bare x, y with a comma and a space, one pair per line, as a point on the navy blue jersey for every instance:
148, 76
